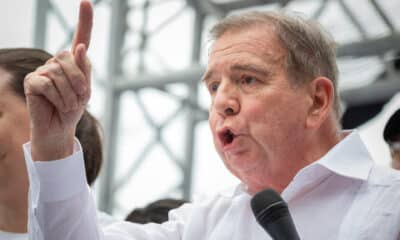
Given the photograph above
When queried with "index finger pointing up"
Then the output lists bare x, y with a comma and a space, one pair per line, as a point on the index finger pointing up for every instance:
84, 28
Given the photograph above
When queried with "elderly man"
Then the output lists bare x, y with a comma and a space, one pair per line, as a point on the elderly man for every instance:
275, 123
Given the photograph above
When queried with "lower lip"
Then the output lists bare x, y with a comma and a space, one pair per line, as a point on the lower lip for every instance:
234, 147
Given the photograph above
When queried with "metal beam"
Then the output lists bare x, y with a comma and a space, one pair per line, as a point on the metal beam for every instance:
220, 9
378, 91
191, 113
238, 4
383, 15
206, 7
353, 19
189, 75
370, 47
42, 9
118, 30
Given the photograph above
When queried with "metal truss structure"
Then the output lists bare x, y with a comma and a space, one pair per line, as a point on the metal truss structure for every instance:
128, 37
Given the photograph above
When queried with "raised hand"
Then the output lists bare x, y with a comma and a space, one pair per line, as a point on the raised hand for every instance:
57, 94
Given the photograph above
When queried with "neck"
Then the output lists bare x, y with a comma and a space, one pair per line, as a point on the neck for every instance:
13, 212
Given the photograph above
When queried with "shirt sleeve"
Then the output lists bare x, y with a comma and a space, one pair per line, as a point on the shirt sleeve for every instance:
61, 206
60, 202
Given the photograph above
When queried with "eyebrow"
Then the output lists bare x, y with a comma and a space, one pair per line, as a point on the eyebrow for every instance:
239, 67
206, 76
251, 68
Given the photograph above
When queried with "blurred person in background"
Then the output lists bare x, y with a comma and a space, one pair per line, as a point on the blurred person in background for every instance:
15, 64
274, 117
391, 135
155, 212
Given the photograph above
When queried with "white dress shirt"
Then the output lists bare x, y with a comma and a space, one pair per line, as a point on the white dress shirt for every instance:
343, 195
13, 236
104, 221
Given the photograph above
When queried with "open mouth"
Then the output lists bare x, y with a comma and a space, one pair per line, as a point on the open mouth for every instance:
226, 136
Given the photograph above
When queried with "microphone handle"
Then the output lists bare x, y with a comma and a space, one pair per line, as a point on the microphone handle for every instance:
282, 229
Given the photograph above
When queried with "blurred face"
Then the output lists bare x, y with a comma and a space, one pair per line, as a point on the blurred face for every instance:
395, 152
257, 117
14, 131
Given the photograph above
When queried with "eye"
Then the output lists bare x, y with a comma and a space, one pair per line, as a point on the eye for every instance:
248, 80
213, 87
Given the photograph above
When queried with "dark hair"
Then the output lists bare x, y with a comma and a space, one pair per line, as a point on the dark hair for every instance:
391, 133
19, 62
155, 212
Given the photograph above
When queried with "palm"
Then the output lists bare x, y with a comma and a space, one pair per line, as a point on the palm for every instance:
47, 120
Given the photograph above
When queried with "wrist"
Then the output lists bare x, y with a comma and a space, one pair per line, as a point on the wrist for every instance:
52, 147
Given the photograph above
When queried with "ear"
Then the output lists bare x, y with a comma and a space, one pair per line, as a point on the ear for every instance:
321, 96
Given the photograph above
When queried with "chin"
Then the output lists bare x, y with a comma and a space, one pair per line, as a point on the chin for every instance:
240, 163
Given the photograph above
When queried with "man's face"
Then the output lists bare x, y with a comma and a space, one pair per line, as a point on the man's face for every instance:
256, 116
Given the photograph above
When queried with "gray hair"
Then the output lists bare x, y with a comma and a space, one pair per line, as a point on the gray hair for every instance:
311, 51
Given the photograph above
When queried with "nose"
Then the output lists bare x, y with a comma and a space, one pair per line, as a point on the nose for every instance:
226, 100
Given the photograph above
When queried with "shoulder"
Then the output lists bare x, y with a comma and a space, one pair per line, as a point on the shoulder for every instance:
375, 210
384, 176
211, 205
383, 188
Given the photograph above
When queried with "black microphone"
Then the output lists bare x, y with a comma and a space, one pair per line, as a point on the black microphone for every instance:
272, 213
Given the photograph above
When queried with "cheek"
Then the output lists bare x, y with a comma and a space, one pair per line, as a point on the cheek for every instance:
273, 123
18, 138
212, 123
262, 117
213, 119
22, 132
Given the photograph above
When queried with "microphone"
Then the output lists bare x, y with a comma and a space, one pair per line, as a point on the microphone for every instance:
272, 213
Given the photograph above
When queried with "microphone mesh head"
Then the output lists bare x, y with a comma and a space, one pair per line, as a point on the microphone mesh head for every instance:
264, 199
268, 206
272, 213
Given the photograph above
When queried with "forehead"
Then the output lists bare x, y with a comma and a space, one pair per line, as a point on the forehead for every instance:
255, 44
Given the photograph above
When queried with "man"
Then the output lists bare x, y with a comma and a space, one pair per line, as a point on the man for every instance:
391, 135
275, 123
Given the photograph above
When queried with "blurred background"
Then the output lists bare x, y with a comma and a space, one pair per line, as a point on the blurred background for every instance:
148, 57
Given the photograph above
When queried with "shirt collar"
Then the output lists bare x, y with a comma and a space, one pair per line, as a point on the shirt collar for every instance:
230, 192
348, 158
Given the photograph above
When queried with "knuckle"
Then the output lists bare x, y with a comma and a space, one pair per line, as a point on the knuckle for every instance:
47, 84
27, 77
51, 60
61, 55
30, 83
56, 68
27, 84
